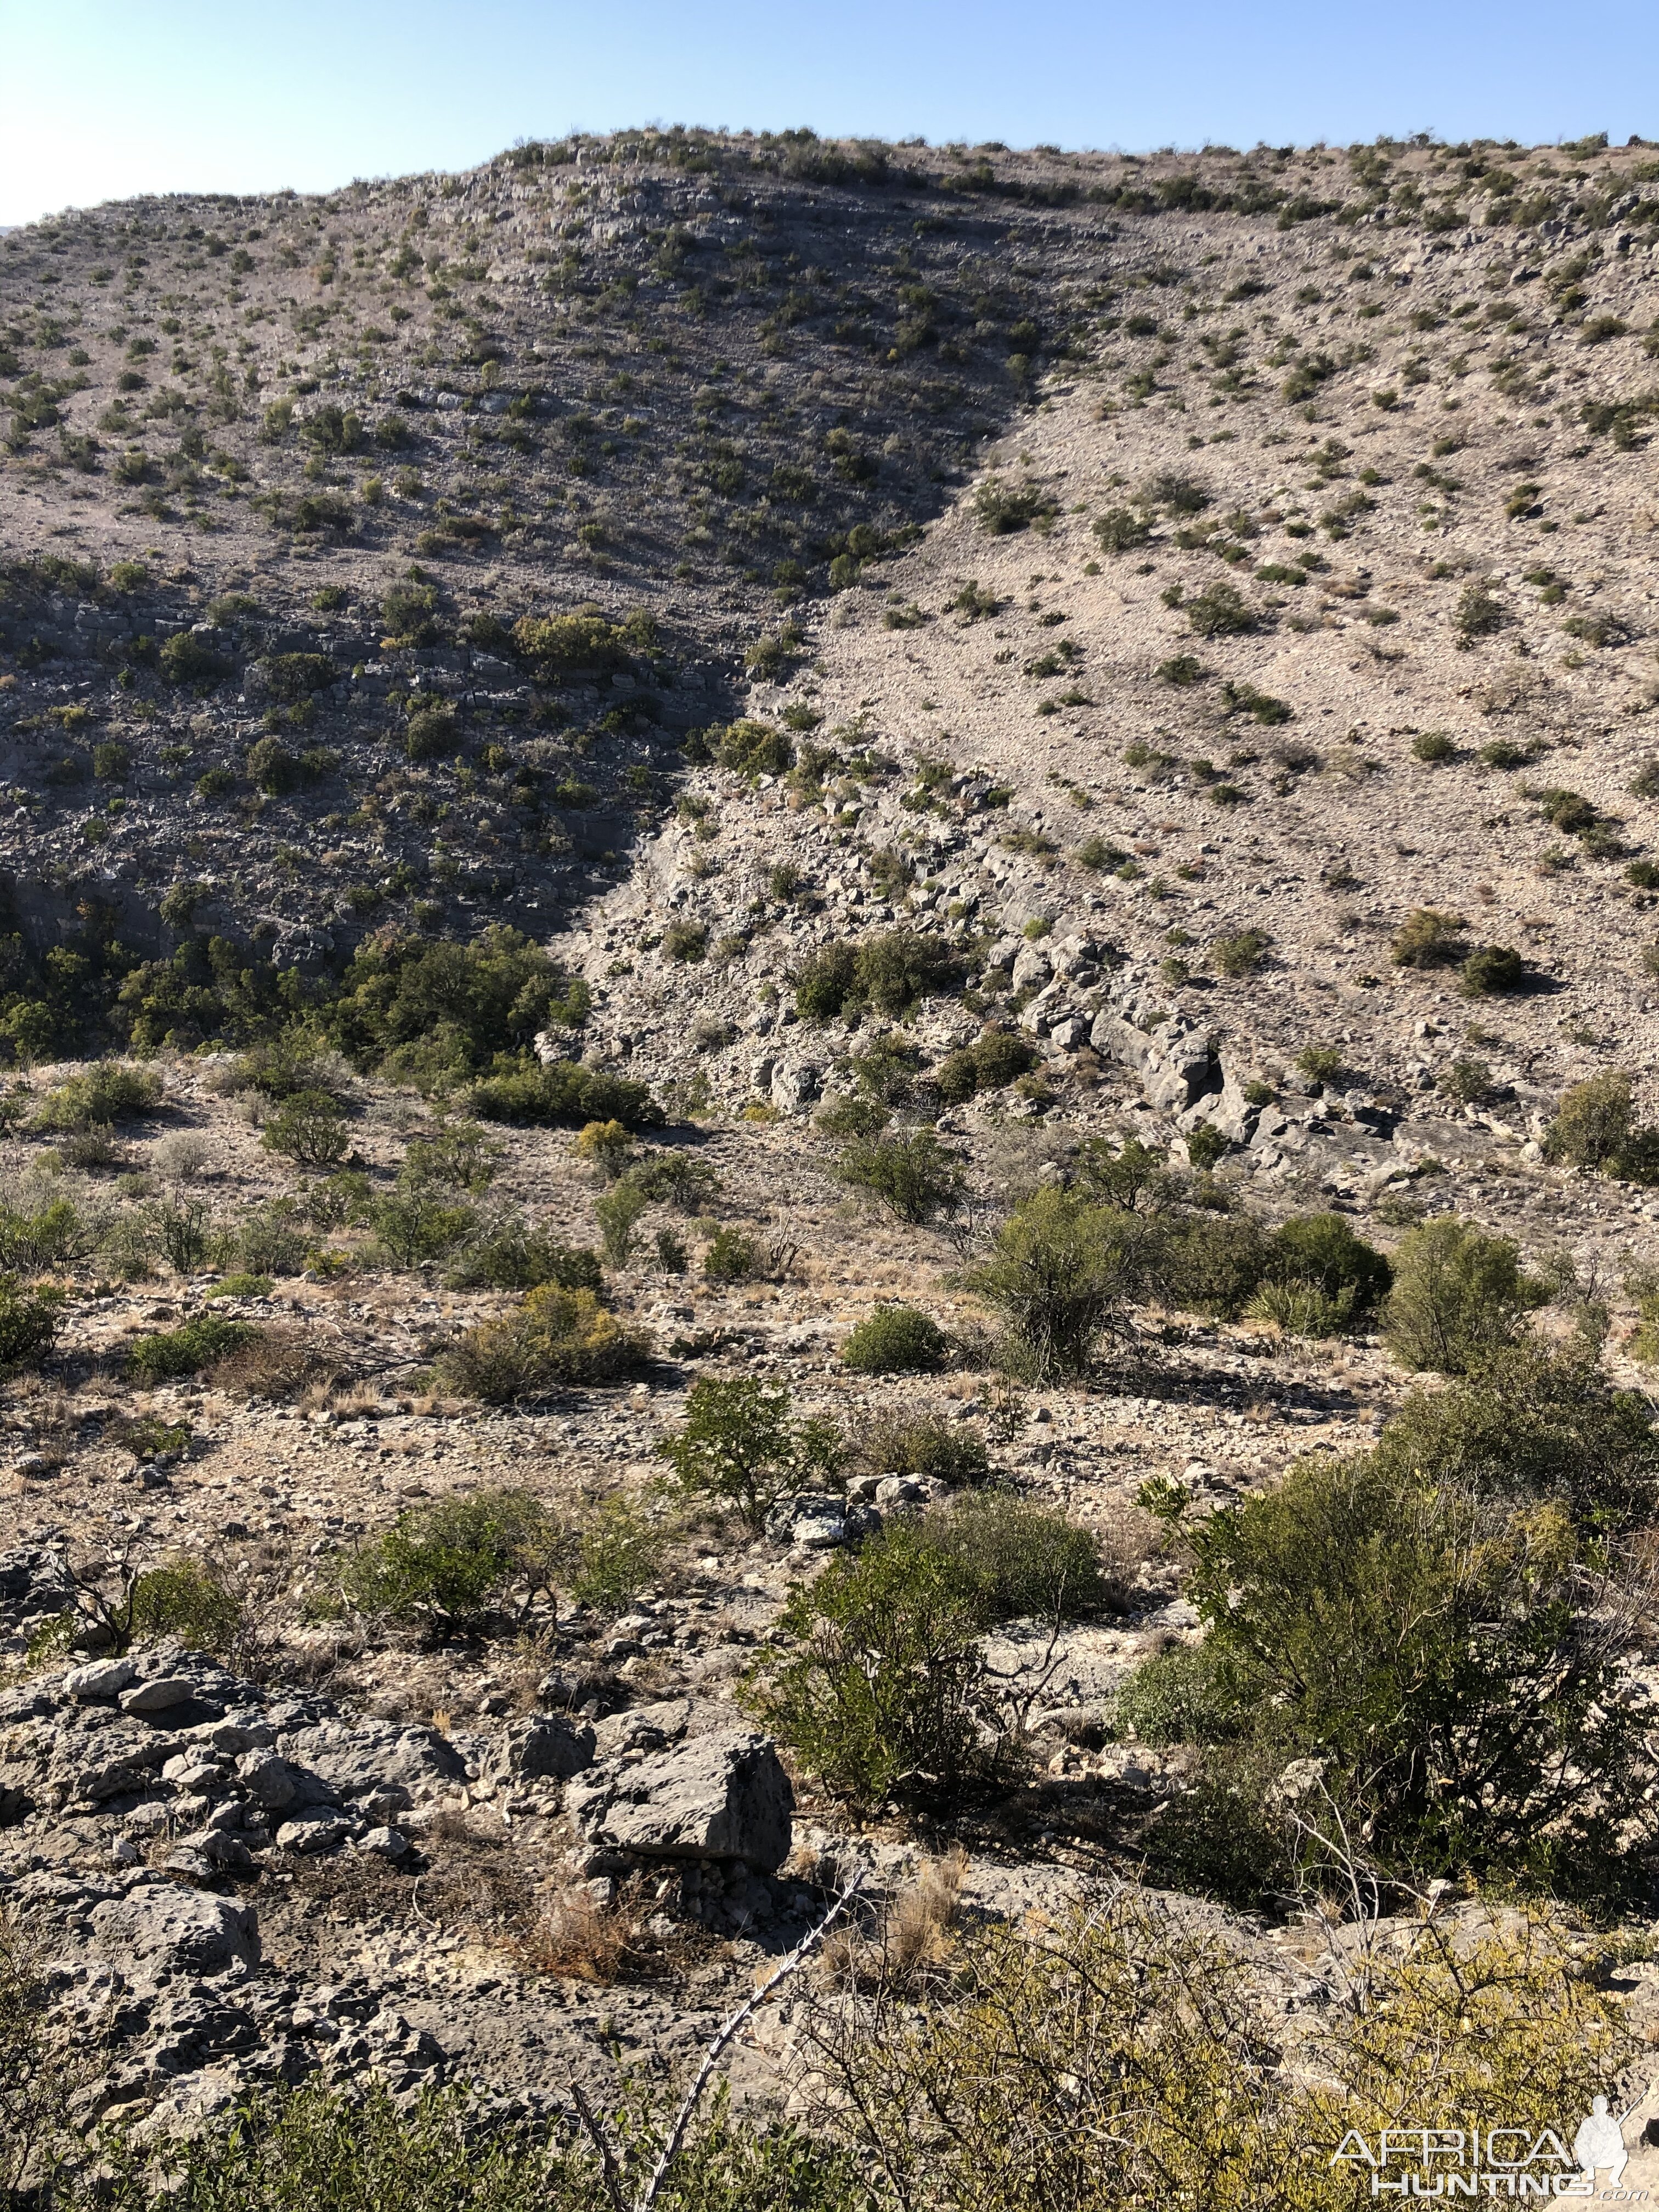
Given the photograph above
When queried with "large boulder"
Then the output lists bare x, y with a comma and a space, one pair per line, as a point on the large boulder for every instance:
720, 1796
544, 1747
164, 1929
376, 1758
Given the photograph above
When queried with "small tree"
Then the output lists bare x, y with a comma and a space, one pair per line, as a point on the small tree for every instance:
913, 1176
1060, 1270
1458, 1296
738, 1444
310, 1129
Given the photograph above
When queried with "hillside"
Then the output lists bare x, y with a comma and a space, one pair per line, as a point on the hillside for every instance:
983, 802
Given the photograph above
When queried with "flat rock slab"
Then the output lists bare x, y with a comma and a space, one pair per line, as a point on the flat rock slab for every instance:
165, 1930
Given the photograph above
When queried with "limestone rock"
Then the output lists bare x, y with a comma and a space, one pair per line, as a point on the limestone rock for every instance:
720, 1796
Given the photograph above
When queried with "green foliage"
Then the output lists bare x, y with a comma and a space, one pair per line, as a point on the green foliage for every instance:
1119, 530
1480, 611
914, 1174
188, 1601
450, 1565
1003, 508
1428, 939
619, 1553
187, 659
28, 1324
553, 1339
896, 1341
1024, 1561
617, 1211
308, 1128
505, 1254
1407, 1662
314, 2149
168, 1354
1209, 1263
1529, 1425
1220, 610
1459, 1295
1492, 970
1595, 1127
925, 1444
877, 1679
557, 646
679, 1179
740, 1445
439, 1013
752, 749
53, 1236
1320, 1253
888, 973
563, 1094
992, 1060
1060, 1270
1242, 954
1320, 1063
112, 1092
732, 1256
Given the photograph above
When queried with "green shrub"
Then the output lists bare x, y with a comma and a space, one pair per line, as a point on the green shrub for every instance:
619, 1553
53, 1235
183, 1230
110, 763
1595, 1127
28, 1324
187, 1601
1459, 1295
1220, 610
893, 969
415, 1225
923, 1445
1533, 1423
1061, 1271
1003, 508
739, 1445
187, 659
1206, 1145
1428, 939
565, 1094
896, 1341
733, 1256
1443, 1660
241, 1286
309, 1129
1119, 530
752, 749
1491, 970
679, 1179
553, 1338
1210, 1263
443, 1011
992, 1060
876, 1681
111, 1092
617, 1211
1242, 954
1321, 1252
506, 1254
558, 646
450, 1565
824, 982
166, 1354
1479, 612
430, 733
267, 1242
409, 613
272, 769
1320, 1063
1024, 1561
913, 1176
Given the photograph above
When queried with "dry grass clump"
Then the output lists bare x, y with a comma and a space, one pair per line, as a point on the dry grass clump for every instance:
583, 1933
912, 1938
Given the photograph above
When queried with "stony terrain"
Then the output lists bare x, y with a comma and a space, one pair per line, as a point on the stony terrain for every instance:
1124, 557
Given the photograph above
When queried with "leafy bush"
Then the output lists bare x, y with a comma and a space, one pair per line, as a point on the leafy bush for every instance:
565, 1094
913, 1176
111, 1092
1428, 939
53, 1235
187, 659
1220, 610
1491, 970
415, 1224
1443, 1660
431, 734
992, 1060
309, 1129
896, 1341
166, 1354
1210, 1263
29, 1325
188, 1601
679, 1179
733, 1256
558, 646
440, 1012
889, 972
740, 1445
1242, 954
619, 1551
267, 1242
1119, 530
878, 1680
1459, 1295
617, 1211
1480, 611
1003, 508
450, 1564
1023, 1561
923, 1445
1060, 1271
606, 1145
1320, 1253
553, 1338
752, 749
505, 1254
1531, 1425
1595, 1127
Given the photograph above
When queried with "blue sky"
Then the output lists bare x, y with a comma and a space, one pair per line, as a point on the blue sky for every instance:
98, 101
